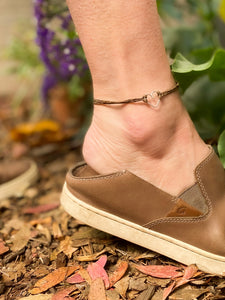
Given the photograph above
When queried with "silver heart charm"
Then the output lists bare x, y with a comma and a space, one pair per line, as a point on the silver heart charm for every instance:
153, 99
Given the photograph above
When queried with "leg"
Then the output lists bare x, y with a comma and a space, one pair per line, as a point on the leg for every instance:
125, 52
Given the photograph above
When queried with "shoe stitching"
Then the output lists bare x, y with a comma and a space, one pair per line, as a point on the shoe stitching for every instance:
189, 219
197, 172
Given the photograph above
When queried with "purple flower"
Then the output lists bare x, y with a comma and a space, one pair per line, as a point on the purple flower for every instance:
59, 47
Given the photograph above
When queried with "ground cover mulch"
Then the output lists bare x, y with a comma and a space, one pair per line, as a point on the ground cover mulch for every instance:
47, 255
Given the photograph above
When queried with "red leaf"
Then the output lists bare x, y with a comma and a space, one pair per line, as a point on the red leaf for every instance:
160, 271
102, 261
41, 208
121, 268
167, 291
76, 278
3, 248
64, 294
96, 270
189, 272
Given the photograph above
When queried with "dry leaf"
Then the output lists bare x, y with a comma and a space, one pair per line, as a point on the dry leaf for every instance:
160, 271
44, 221
21, 238
76, 278
93, 256
189, 272
64, 294
41, 208
97, 290
138, 283
84, 274
112, 295
3, 248
102, 261
146, 294
167, 291
42, 132
95, 270
122, 285
38, 297
66, 246
53, 279
120, 270
56, 231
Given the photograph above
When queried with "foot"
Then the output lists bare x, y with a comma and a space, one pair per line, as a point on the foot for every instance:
160, 146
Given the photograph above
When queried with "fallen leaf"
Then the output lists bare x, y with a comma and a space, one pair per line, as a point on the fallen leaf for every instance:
121, 286
102, 261
21, 238
84, 274
56, 231
41, 208
96, 270
138, 283
53, 279
160, 271
44, 221
64, 294
112, 295
189, 272
42, 132
120, 270
97, 290
37, 297
147, 294
76, 278
93, 256
3, 248
167, 291
66, 246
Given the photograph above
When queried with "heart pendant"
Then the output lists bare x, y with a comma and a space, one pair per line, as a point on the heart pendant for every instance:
153, 99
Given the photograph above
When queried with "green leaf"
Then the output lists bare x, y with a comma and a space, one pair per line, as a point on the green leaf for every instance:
187, 72
221, 147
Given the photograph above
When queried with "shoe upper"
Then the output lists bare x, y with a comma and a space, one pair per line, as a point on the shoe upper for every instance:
9, 170
196, 217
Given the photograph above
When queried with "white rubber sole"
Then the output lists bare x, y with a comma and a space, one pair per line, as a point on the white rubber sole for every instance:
163, 244
17, 186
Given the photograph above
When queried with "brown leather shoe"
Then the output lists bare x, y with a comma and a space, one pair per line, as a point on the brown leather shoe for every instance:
16, 176
189, 228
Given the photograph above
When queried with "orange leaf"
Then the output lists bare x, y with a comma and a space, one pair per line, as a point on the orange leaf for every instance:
64, 294
167, 291
96, 270
53, 279
121, 268
41, 208
160, 271
3, 248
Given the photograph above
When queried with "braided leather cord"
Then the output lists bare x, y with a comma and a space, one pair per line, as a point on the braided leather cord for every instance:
143, 99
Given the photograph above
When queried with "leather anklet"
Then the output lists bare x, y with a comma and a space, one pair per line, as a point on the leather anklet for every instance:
153, 99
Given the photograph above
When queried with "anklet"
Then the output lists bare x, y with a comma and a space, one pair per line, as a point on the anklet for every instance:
153, 99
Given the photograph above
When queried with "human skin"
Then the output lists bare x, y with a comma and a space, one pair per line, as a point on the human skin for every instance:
123, 44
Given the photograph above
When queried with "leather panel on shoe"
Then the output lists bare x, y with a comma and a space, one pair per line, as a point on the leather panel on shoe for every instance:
121, 193
206, 232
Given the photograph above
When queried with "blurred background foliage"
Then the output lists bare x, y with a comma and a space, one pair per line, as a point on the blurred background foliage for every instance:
194, 36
